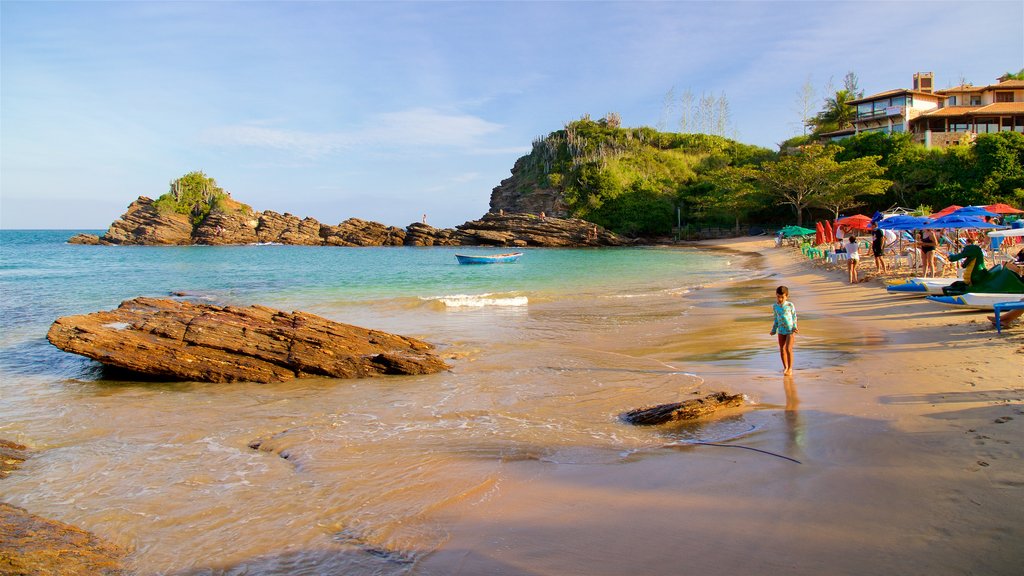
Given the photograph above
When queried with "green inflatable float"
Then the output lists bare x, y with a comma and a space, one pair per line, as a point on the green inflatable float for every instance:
978, 279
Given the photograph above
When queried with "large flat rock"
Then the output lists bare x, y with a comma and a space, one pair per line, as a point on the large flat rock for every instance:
199, 342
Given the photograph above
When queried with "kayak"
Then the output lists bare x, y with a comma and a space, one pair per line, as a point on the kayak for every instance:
488, 259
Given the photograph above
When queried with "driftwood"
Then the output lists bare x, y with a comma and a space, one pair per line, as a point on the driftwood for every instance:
687, 410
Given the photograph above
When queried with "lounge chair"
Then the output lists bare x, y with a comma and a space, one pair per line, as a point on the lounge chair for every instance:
1003, 307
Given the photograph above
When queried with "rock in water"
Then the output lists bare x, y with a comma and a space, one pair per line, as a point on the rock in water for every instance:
185, 341
687, 410
30, 544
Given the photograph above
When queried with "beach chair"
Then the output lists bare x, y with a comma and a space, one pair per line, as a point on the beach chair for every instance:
1003, 307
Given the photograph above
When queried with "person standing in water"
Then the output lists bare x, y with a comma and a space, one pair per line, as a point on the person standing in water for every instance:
785, 326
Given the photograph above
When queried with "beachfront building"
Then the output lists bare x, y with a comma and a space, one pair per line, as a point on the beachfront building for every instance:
892, 111
968, 110
939, 118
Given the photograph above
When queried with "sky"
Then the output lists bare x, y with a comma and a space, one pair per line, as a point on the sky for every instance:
387, 111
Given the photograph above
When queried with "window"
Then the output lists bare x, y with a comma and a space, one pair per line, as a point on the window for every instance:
1018, 124
899, 101
1004, 96
897, 128
864, 109
951, 101
975, 99
959, 127
987, 125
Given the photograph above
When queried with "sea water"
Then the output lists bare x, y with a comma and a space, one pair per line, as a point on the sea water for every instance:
350, 475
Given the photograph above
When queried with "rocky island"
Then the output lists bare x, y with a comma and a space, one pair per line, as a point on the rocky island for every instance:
196, 211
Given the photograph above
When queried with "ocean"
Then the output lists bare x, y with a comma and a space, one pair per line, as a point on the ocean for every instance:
351, 476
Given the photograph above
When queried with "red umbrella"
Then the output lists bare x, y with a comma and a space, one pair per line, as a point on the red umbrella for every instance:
819, 234
1003, 209
857, 221
947, 210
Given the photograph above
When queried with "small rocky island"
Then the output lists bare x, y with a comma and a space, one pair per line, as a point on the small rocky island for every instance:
200, 342
196, 211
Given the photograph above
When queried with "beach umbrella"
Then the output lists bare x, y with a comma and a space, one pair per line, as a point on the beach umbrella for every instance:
826, 227
973, 211
1003, 209
958, 222
819, 233
947, 210
857, 221
903, 222
790, 231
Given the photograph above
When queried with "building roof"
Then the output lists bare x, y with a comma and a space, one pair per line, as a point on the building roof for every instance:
997, 108
1004, 85
890, 94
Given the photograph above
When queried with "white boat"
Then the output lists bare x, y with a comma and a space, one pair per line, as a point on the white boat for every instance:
976, 300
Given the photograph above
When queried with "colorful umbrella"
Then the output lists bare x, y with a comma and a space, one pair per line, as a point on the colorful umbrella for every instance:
957, 222
903, 222
826, 227
973, 211
789, 231
947, 210
857, 221
1003, 209
819, 234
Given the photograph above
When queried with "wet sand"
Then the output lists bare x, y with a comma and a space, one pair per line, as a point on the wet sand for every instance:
906, 419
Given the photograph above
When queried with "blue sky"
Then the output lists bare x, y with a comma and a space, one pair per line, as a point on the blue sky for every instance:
389, 110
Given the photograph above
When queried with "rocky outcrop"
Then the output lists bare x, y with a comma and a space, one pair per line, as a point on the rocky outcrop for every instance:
144, 224
220, 228
356, 232
88, 239
418, 234
30, 544
530, 230
198, 342
11, 455
513, 195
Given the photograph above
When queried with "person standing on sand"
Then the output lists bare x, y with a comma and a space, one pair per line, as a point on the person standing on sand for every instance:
878, 249
785, 326
852, 259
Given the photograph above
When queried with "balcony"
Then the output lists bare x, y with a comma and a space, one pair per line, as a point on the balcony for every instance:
881, 113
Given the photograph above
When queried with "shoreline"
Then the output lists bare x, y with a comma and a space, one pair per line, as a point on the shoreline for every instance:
909, 446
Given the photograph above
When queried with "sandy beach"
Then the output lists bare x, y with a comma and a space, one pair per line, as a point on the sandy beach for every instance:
906, 419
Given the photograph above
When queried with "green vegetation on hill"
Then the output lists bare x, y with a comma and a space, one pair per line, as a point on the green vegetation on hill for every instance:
629, 180
633, 180
195, 195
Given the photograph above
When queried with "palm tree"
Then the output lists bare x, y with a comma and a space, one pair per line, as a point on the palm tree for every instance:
837, 114
1012, 76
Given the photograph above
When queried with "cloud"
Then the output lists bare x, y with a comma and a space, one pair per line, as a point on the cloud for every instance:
417, 127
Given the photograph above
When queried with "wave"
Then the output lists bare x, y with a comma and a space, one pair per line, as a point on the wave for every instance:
477, 300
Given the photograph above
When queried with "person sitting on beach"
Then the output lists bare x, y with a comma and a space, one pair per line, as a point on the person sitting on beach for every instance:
784, 313
852, 259
1009, 317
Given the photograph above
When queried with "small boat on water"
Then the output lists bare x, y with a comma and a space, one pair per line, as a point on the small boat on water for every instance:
488, 258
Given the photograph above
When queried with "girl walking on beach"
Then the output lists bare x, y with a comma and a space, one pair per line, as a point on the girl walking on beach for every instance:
878, 250
853, 258
785, 325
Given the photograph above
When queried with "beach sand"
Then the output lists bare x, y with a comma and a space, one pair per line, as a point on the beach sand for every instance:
906, 419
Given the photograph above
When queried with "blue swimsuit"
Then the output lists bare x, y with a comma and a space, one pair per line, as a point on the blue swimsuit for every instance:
785, 318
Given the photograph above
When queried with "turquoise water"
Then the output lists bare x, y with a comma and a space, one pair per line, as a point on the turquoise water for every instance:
544, 355
43, 278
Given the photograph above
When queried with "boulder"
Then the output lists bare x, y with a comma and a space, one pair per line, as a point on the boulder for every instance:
88, 239
199, 342
144, 224
287, 229
521, 229
221, 228
30, 544
419, 234
356, 232
686, 410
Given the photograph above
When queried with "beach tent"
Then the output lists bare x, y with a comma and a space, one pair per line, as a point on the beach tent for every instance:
1003, 209
947, 210
857, 221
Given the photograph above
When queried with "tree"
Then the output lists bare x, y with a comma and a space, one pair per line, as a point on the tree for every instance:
733, 190
813, 177
1011, 76
195, 194
805, 104
837, 114
850, 182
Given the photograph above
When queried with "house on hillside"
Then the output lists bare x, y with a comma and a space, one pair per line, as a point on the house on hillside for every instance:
969, 110
938, 118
